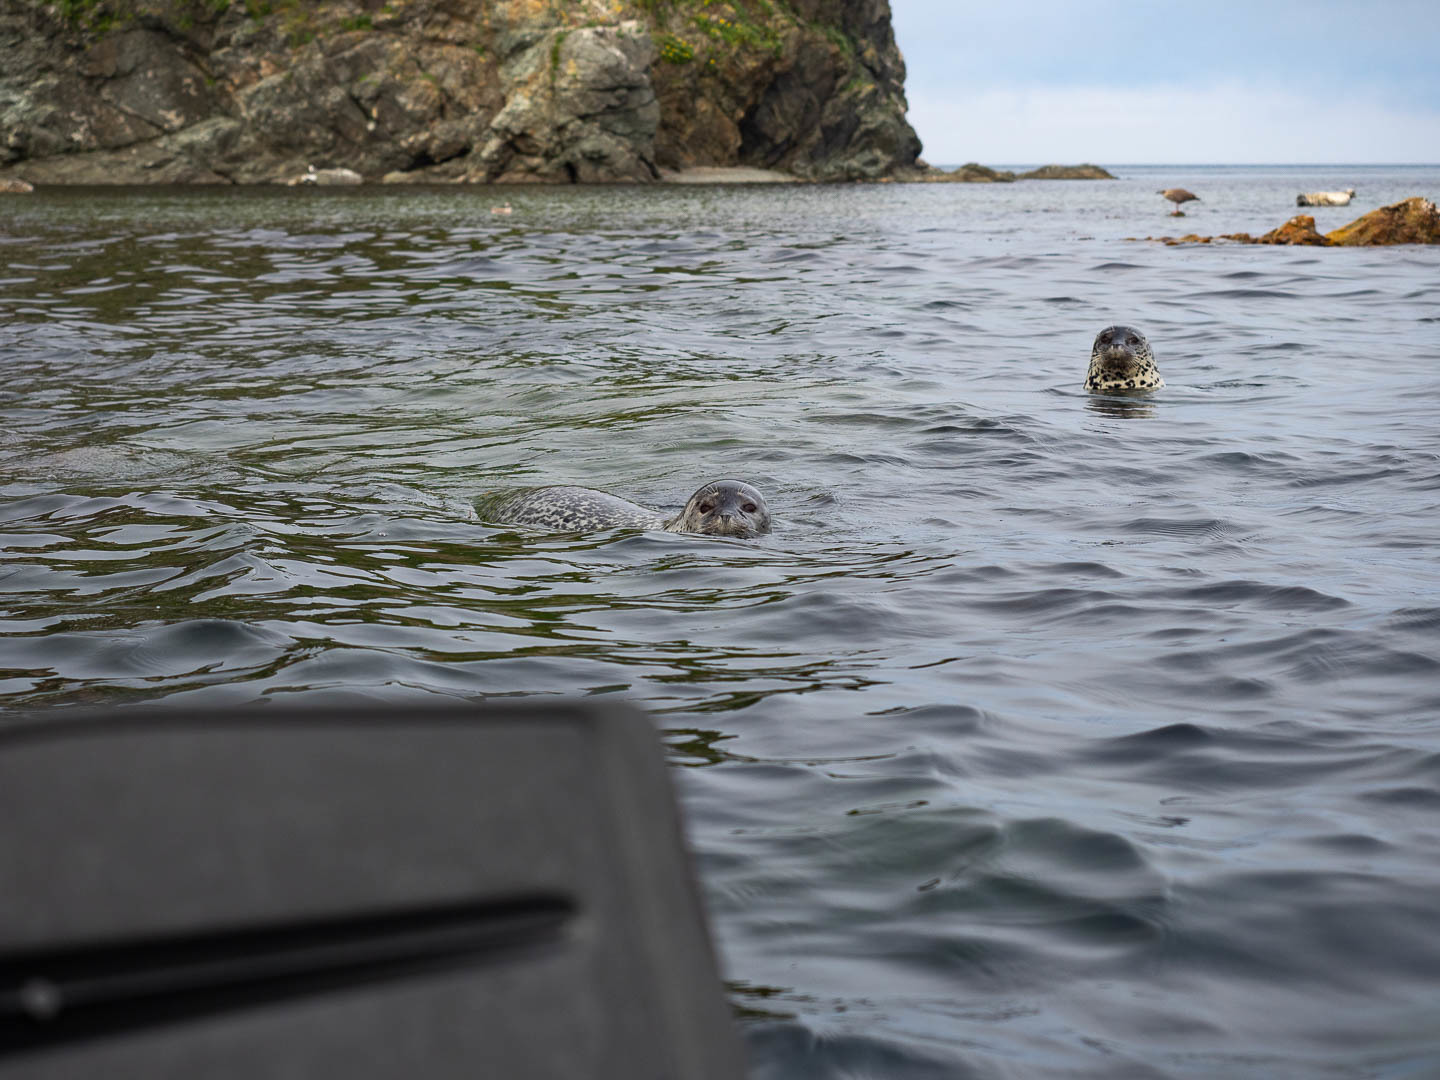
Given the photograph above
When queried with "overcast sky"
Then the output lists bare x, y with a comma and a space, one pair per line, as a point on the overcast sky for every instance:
1008, 82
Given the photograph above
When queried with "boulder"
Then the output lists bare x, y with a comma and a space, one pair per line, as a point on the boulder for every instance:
1411, 221
1299, 230
15, 186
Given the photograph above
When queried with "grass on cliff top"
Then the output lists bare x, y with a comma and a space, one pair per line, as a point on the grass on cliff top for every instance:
743, 23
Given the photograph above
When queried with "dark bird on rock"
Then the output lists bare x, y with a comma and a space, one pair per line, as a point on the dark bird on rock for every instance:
1178, 195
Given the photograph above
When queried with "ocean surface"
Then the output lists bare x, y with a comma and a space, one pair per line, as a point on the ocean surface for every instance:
1049, 735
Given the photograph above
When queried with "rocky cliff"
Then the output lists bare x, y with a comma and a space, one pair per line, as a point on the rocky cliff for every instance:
225, 91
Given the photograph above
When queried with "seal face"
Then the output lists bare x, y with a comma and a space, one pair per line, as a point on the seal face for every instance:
1121, 360
720, 508
724, 508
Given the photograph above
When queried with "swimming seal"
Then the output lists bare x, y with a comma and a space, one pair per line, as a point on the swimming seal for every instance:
1121, 360
720, 508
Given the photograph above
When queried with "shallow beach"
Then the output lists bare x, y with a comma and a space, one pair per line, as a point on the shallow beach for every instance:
1048, 735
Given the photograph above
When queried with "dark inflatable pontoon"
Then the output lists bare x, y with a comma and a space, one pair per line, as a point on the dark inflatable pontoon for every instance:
471, 892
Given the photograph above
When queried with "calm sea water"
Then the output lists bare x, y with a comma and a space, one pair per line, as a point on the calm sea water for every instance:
1048, 735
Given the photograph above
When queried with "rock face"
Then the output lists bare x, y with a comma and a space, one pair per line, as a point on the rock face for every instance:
1411, 221
220, 91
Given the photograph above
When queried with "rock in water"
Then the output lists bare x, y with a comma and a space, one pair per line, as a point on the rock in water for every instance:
1411, 221
1299, 230
1067, 172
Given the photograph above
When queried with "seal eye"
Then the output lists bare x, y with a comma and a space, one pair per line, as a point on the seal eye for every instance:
749, 508
706, 507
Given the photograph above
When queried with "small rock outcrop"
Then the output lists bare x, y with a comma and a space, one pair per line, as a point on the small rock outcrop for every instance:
969, 173
12, 186
1410, 221
1299, 230
224, 91
975, 173
1067, 172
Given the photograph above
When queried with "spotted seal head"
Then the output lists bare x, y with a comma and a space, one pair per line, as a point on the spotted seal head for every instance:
720, 508
1121, 360
723, 508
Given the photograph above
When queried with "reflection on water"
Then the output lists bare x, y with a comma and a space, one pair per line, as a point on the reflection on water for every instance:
1137, 407
1031, 742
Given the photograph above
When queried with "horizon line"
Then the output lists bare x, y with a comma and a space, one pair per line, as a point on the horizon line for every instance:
1387, 164
1213, 164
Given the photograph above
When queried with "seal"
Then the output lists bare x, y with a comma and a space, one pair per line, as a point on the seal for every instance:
720, 508
1121, 360
1325, 198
